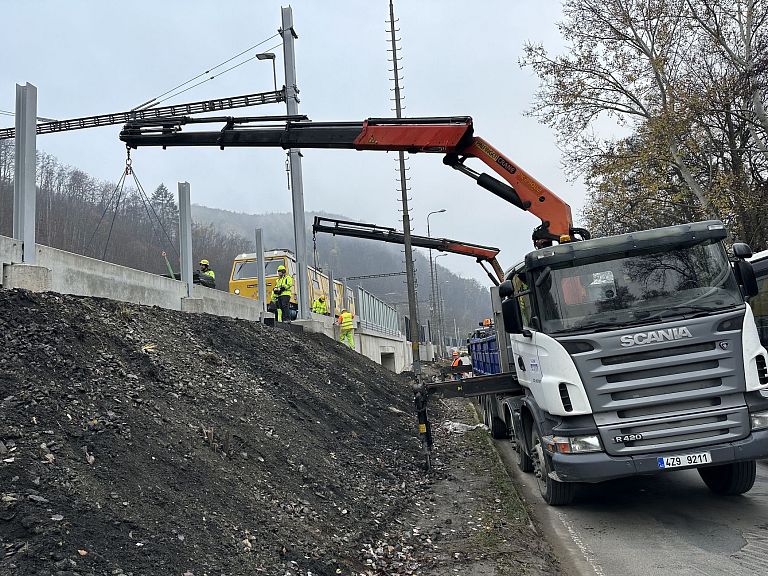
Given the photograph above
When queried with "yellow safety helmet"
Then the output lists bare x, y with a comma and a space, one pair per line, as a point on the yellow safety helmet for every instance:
204, 263
280, 268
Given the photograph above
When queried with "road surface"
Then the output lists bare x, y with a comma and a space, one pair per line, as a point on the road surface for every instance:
670, 524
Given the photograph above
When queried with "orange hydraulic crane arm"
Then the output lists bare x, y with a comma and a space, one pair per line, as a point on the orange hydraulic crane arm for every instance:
383, 234
452, 136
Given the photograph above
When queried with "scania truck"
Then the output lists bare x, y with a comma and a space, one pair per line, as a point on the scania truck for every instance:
636, 355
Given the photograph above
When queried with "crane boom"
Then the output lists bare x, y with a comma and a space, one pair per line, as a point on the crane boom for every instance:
162, 111
383, 234
452, 136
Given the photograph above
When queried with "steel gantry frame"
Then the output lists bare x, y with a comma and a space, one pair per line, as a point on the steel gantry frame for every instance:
199, 107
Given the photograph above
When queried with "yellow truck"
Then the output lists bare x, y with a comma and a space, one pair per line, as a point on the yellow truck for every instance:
243, 280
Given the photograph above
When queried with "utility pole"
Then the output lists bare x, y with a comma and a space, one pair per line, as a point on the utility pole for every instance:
433, 300
294, 156
413, 311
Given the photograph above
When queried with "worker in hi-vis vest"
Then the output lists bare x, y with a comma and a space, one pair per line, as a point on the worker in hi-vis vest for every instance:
347, 328
282, 290
319, 306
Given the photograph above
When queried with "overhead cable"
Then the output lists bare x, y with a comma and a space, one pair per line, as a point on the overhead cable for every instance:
208, 79
154, 100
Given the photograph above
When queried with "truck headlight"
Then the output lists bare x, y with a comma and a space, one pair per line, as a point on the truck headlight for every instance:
759, 420
237, 291
574, 444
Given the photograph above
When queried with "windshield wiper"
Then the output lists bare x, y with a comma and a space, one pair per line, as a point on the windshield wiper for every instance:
595, 326
682, 309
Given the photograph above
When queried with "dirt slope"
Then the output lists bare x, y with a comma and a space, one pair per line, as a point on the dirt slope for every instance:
145, 441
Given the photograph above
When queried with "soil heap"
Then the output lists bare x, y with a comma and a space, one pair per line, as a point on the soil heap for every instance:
143, 441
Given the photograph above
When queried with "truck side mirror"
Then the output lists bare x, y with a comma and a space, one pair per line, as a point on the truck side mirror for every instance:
513, 320
741, 250
506, 290
745, 275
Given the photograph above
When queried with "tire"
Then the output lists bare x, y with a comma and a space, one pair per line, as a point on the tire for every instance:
523, 460
498, 428
554, 492
729, 479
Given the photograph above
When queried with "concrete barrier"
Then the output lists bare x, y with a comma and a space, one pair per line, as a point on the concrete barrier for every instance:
69, 273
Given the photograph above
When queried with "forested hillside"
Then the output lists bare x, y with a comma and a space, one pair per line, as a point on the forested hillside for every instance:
124, 224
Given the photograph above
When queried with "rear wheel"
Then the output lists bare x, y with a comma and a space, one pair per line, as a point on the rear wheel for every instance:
554, 492
524, 461
498, 428
734, 478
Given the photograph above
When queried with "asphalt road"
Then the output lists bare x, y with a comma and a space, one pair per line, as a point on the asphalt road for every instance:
670, 524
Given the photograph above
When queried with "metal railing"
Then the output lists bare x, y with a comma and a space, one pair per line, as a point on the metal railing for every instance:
375, 314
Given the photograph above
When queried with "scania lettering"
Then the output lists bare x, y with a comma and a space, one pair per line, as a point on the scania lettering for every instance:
657, 336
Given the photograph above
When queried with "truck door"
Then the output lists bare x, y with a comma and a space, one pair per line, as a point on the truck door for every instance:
524, 350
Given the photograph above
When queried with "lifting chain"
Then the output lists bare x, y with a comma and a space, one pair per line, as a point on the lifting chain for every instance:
128, 161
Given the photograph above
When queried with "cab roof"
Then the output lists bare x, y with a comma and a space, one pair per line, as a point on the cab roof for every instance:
602, 248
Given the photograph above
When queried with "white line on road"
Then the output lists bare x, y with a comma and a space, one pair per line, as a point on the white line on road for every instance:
589, 556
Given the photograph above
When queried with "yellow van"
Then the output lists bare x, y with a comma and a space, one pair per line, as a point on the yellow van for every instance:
244, 279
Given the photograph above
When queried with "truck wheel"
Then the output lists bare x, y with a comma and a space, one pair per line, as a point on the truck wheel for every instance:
555, 493
524, 461
498, 428
734, 478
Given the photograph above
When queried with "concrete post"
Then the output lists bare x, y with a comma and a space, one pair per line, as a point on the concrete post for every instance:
261, 280
24, 190
331, 295
185, 235
294, 155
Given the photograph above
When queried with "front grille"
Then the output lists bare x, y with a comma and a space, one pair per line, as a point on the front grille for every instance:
666, 389
678, 395
663, 371
678, 433
661, 353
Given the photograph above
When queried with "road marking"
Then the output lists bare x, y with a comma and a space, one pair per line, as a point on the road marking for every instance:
589, 556
753, 556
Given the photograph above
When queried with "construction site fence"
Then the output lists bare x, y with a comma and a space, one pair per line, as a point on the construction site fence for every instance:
375, 314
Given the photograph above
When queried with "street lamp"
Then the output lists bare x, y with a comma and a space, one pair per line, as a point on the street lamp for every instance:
432, 273
438, 308
269, 56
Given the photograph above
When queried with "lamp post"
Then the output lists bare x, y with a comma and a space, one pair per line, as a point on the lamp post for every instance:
269, 56
438, 308
432, 299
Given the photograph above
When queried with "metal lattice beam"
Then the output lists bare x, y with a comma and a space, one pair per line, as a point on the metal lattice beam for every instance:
159, 112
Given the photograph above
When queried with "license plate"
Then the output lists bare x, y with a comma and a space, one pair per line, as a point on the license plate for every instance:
682, 460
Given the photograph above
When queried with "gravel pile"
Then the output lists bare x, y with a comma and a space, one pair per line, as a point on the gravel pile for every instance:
141, 441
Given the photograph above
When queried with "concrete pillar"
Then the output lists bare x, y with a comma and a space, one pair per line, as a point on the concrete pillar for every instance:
185, 235
331, 295
294, 155
24, 189
260, 274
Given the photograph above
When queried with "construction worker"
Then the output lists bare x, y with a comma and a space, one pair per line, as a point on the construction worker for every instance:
319, 306
205, 270
347, 328
455, 362
282, 291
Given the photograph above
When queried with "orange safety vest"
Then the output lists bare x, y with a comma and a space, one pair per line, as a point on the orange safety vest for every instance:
456, 361
345, 320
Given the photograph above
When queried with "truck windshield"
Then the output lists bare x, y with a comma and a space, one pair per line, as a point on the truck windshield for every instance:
249, 269
636, 289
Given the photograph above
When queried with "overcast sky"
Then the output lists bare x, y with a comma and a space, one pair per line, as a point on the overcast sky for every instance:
458, 58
